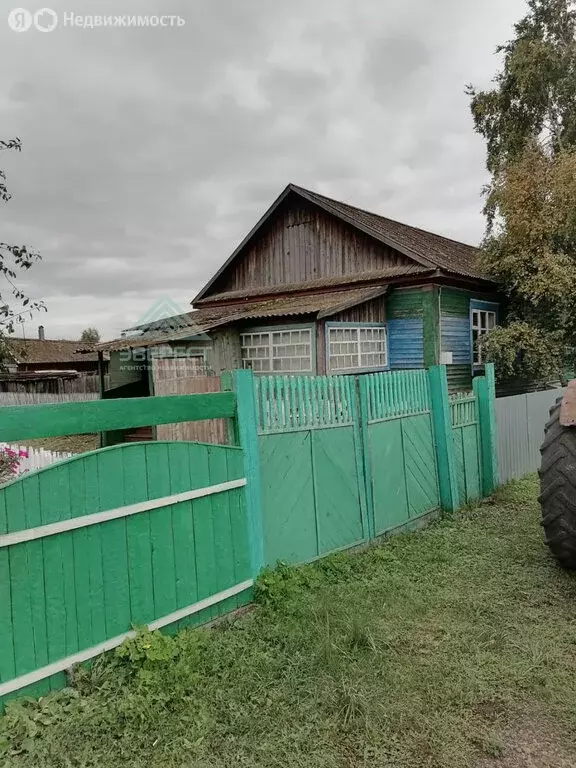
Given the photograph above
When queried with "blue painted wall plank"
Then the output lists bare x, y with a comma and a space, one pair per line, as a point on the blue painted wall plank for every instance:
455, 335
406, 343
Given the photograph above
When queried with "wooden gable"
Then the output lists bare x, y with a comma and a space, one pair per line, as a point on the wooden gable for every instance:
301, 242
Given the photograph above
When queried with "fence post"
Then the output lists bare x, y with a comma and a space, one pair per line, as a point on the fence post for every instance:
444, 440
485, 391
247, 430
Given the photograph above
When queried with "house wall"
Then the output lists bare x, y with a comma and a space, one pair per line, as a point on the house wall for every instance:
405, 311
303, 243
455, 333
225, 353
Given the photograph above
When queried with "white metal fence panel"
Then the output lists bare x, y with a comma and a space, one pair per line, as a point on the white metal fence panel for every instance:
520, 423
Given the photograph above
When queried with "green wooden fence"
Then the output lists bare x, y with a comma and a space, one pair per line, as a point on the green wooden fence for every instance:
399, 451
155, 534
467, 446
345, 460
161, 534
313, 492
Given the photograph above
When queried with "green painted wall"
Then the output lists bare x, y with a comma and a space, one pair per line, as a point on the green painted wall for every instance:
431, 314
405, 304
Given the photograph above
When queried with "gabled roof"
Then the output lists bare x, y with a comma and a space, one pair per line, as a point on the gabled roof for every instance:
425, 249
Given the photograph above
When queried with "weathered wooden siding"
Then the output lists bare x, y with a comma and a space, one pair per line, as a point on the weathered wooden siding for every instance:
187, 376
370, 312
225, 353
302, 243
405, 310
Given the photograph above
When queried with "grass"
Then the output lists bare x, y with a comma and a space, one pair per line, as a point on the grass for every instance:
446, 648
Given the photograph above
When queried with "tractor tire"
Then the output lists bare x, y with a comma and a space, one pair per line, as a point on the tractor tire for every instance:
558, 489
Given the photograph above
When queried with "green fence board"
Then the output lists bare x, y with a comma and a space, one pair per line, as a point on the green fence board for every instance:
337, 489
94, 563
240, 541
223, 546
288, 497
420, 464
24, 655
388, 475
470, 439
138, 537
31, 492
80, 555
163, 565
18, 423
7, 665
183, 529
204, 536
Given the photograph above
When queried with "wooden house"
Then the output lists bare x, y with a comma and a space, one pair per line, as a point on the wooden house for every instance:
321, 287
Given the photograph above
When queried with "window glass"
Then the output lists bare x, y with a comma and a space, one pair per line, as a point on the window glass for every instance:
278, 351
353, 347
483, 321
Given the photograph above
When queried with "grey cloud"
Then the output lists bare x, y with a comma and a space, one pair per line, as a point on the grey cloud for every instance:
149, 153
391, 63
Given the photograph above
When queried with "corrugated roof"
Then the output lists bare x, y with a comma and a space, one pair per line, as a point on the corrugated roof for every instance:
425, 248
386, 273
206, 319
36, 351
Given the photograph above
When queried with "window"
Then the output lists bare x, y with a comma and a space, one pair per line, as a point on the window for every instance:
483, 321
272, 351
351, 347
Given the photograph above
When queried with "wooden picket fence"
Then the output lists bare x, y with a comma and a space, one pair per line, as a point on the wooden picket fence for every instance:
345, 460
164, 534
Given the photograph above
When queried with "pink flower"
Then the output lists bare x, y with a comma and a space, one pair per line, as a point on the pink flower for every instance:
23, 454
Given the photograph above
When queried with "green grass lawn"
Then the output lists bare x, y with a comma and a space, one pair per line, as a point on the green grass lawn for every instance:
451, 647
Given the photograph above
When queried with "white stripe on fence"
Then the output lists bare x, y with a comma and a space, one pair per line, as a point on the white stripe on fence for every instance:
42, 531
60, 666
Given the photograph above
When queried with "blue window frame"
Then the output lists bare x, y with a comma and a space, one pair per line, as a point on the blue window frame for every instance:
356, 347
483, 319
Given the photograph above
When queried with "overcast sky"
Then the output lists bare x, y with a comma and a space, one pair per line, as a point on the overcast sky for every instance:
149, 153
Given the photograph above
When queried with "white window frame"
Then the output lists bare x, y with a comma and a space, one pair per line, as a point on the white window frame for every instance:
267, 341
477, 327
357, 328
